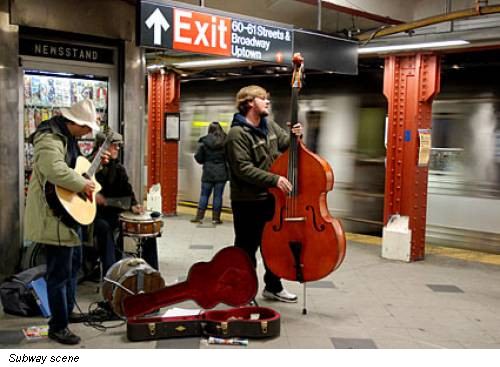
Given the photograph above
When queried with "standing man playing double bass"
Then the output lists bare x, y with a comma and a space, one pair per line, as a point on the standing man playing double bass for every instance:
253, 143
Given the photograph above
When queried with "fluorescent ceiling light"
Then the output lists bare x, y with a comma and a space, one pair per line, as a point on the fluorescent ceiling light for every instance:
410, 46
65, 74
154, 66
210, 62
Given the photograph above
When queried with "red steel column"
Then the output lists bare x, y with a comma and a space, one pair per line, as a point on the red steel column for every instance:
163, 157
410, 84
155, 111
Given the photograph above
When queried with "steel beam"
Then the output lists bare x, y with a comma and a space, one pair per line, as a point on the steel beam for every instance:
163, 156
410, 84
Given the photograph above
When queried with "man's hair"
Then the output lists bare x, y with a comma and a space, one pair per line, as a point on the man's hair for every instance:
248, 94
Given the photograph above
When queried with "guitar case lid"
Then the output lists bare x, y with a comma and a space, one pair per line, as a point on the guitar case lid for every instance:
229, 278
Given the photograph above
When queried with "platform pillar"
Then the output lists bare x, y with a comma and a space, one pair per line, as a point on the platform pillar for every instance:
163, 155
410, 84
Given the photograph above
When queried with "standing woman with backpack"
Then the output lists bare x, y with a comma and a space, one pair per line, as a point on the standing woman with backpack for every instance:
211, 155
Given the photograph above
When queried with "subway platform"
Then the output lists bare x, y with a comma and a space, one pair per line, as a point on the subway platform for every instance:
450, 300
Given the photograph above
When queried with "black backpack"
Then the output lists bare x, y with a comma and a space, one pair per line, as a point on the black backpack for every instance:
17, 295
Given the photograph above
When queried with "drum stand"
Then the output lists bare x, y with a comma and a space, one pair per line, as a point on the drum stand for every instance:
140, 241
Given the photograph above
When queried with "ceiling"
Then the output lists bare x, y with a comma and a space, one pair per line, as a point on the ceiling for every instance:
335, 19
339, 21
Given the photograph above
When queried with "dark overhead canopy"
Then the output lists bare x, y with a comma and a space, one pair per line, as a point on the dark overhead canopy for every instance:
173, 26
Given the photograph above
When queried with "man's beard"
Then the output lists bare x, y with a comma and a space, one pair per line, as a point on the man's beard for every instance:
264, 114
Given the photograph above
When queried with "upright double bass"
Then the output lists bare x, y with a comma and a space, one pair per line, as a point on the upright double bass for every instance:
302, 242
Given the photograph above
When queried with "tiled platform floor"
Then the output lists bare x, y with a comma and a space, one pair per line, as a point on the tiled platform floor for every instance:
369, 302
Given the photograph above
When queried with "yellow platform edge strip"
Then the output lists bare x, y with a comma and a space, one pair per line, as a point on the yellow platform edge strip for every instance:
466, 255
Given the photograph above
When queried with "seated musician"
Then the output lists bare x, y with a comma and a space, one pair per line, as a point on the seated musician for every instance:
116, 197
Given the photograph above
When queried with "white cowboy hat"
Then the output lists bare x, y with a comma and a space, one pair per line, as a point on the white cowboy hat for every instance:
82, 113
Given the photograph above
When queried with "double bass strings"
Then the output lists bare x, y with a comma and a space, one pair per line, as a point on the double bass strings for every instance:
291, 202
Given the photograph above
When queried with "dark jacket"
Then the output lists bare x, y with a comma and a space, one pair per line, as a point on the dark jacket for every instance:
55, 152
115, 184
250, 152
212, 156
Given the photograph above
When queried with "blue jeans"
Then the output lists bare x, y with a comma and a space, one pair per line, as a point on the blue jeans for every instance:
206, 191
63, 264
104, 230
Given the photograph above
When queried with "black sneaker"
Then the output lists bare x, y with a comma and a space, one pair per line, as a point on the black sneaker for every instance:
64, 336
75, 317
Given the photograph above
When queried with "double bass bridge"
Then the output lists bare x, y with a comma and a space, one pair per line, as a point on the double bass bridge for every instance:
294, 219
283, 219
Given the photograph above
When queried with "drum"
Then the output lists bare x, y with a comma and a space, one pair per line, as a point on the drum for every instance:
128, 277
140, 225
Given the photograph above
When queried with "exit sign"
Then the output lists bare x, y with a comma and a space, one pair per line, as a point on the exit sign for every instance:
199, 30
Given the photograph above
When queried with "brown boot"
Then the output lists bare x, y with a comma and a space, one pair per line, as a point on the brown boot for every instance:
216, 218
199, 216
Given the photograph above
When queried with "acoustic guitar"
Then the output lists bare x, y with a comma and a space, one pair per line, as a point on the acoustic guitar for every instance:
77, 207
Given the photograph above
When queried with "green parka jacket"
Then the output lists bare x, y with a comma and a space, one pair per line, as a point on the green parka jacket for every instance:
250, 152
40, 224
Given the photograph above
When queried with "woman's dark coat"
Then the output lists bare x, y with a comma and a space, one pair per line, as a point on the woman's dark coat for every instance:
211, 155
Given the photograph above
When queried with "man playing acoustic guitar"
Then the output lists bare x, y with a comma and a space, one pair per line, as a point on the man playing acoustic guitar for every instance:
55, 154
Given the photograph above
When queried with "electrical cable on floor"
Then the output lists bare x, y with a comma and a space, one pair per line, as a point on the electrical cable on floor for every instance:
98, 314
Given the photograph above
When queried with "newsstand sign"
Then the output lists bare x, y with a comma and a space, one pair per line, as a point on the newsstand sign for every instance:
183, 29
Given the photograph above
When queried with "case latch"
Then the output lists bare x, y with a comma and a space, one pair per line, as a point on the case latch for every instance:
181, 328
152, 328
263, 327
223, 326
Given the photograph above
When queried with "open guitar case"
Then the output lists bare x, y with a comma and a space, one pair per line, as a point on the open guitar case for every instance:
229, 278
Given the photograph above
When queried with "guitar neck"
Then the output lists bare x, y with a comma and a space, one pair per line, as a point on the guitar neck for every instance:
142, 304
96, 162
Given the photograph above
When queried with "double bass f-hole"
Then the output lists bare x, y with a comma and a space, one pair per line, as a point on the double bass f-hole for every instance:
277, 228
320, 227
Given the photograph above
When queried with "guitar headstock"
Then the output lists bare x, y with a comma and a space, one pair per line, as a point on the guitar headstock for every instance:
104, 137
298, 71
106, 131
102, 142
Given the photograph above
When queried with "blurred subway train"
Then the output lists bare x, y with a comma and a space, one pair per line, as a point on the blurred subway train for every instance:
345, 118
